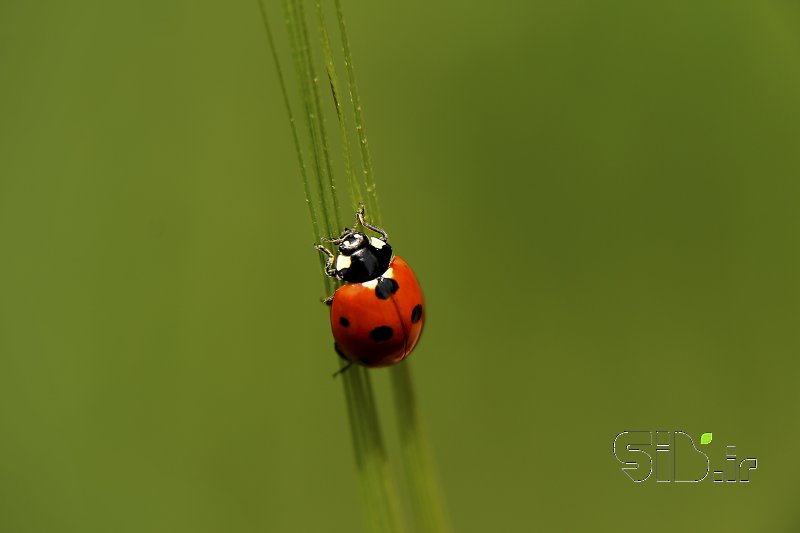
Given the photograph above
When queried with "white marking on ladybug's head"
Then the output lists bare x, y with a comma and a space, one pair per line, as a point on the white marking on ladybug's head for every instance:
342, 262
377, 243
389, 273
351, 242
371, 284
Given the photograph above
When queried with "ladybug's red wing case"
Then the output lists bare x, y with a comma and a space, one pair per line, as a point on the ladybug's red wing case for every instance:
378, 322
366, 330
409, 302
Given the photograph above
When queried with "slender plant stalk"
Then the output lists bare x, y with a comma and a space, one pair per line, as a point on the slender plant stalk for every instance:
293, 126
301, 53
333, 79
355, 100
427, 500
375, 480
317, 109
374, 476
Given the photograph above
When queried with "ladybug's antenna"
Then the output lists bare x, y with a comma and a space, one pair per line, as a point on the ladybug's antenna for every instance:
347, 232
339, 240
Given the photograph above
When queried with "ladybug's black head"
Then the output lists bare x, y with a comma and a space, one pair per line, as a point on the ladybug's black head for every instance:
361, 258
351, 242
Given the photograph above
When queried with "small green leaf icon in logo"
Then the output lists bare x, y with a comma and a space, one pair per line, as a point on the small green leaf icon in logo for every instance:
705, 438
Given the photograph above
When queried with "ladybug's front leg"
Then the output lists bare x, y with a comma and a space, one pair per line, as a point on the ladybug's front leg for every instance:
327, 301
329, 270
376, 229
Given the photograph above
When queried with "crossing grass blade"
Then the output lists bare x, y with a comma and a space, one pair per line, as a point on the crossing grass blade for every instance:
356, 194
375, 480
378, 490
427, 501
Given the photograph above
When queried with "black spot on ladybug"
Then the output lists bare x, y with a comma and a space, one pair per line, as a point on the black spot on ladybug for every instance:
416, 313
344, 322
381, 334
385, 288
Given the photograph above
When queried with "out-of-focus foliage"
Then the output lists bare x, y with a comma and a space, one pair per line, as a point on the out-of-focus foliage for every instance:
600, 200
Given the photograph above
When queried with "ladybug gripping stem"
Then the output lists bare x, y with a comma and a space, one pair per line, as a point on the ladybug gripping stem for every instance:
377, 316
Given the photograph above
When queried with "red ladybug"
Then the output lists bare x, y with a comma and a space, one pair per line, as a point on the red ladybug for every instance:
377, 317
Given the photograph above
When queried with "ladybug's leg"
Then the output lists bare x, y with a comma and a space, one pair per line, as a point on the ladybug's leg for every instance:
376, 229
346, 367
329, 270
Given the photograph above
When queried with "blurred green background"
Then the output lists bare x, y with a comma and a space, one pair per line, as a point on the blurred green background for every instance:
600, 199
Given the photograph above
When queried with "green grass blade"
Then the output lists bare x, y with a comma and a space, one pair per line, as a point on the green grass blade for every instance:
427, 499
315, 227
355, 99
378, 489
426, 496
374, 477
318, 116
354, 185
304, 78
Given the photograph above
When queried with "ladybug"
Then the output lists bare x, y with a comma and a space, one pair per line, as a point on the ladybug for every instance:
377, 317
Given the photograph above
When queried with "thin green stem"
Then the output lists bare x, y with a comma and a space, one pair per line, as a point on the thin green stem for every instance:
426, 496
375, 480
302, 70
427, 500
316, 104
355, 99
298, 148
377, 483
354, 185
